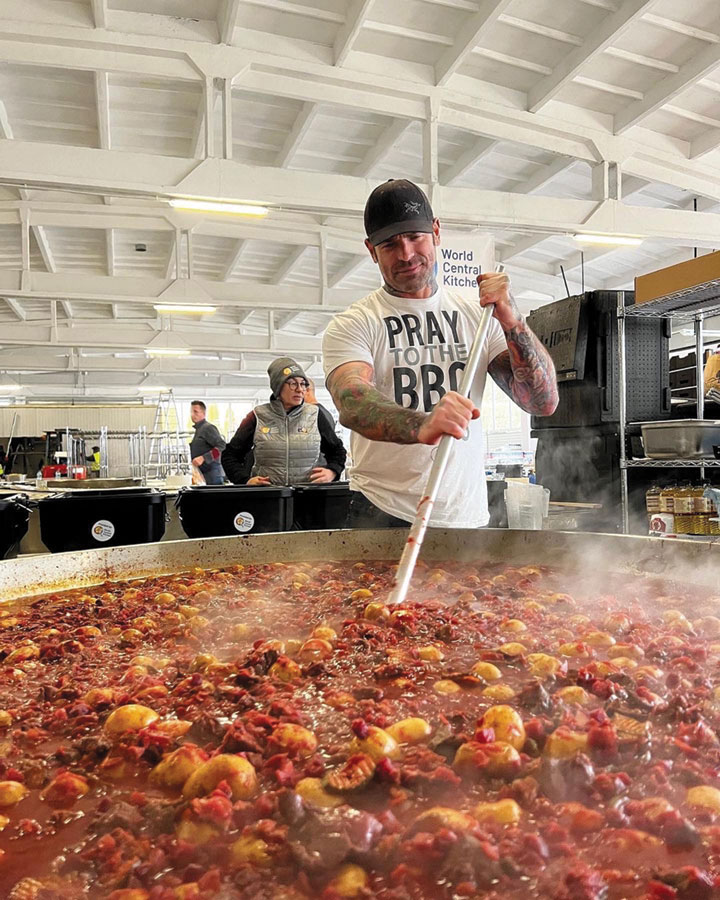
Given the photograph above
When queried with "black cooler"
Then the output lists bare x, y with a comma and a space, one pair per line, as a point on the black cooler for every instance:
221, 510
320, 506
88, 520
14, 515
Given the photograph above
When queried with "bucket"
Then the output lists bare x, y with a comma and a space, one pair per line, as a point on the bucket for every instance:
527, 505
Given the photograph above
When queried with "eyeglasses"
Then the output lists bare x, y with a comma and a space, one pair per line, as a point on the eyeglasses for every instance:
296, 385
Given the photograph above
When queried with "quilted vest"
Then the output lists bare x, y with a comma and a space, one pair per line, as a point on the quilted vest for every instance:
287, 445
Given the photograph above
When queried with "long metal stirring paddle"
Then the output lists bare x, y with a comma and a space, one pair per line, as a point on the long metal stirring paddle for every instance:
437, 471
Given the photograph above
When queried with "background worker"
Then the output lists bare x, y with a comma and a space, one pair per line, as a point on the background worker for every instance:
394, 360
287, 436
207, 445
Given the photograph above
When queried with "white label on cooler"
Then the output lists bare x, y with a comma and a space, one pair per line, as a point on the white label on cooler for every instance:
102, 530
244, 521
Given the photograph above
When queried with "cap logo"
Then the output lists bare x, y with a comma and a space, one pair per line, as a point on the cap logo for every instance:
287, 371
412, 208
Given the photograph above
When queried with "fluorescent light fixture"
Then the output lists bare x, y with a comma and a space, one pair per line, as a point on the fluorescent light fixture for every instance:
167, 351
10, 388
185, 308
238, 209
611, 240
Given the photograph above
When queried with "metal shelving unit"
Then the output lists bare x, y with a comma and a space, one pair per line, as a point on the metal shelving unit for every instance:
689, 305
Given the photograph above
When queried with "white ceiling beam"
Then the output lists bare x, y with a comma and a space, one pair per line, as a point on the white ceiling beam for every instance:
578, 260
284, 269
523, 245
67, 308
102, 99
544, 176
301, 126
6, 131
667, 89
282, 321
123, 337
351, 266
471, 33
234, 259
44, 247
100, 13
357, 11
632, 185
676, 27
536, 28
601, 37
705, 143
77, 167
381, 147
626, 280
479, 149
227, 17
16, 308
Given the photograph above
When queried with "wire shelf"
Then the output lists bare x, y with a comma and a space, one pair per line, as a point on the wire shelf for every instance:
672, 463
682, 305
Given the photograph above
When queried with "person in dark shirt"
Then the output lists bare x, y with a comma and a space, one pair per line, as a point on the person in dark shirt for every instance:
206, 445
293, 442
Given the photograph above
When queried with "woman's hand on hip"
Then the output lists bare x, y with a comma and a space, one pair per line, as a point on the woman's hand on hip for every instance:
321, 475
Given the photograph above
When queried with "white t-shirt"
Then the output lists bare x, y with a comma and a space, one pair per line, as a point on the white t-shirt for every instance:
418, 350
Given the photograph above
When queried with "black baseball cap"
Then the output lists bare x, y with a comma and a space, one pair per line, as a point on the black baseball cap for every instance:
396, 207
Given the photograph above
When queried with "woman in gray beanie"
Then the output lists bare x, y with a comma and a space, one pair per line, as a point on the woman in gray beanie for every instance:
287, 436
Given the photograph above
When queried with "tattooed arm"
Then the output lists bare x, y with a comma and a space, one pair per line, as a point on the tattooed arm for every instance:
525, 370
364, 409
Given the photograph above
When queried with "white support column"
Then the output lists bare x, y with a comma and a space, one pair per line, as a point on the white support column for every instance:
110, 251
322, 260
44, 247
227, 118
271, 329
16, 308
189, 246
102, 99
430, 146
209, 117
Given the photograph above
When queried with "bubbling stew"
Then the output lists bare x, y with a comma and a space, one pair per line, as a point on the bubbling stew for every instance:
276, 732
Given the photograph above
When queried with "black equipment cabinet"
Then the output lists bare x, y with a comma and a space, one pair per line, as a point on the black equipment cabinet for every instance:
581, 335
14, 516
88, 519
320, 506
222, 510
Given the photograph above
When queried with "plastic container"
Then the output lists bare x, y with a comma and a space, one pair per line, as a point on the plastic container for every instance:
320, 506
14, 515
527, 505
89, 519
221, 510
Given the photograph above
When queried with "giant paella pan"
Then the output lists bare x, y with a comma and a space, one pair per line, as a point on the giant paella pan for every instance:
247, 718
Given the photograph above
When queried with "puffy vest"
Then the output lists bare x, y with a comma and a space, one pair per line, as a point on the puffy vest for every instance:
287, 445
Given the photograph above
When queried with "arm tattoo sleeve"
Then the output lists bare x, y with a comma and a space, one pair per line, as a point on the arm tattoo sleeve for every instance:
526, 372
363, 408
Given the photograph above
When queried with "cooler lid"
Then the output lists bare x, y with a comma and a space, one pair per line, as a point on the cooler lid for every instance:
270, 492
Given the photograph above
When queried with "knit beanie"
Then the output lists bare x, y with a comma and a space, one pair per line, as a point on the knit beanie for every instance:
280, 370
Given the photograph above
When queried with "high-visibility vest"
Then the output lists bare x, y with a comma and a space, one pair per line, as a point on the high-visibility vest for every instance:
95, 464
